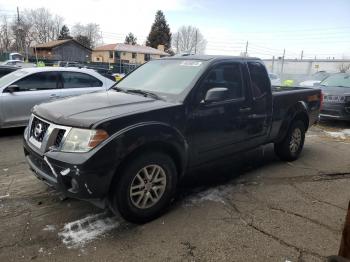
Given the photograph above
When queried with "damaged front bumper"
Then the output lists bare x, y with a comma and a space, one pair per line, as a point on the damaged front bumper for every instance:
85, 176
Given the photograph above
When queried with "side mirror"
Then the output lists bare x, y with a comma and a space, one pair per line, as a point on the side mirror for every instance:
12, 88
216, 94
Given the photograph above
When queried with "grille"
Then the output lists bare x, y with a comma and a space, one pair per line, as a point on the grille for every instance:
59, 137
334, 99
38, 129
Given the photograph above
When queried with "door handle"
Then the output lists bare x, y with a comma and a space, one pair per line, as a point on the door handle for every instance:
245, 109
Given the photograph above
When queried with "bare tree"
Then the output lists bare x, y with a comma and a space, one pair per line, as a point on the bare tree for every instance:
343, 68
189, 39
6, 38
91, 31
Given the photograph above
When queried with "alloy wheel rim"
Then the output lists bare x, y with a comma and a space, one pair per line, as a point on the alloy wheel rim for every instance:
295, 140
148, 186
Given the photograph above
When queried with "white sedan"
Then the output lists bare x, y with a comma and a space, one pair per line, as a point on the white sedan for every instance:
27, 87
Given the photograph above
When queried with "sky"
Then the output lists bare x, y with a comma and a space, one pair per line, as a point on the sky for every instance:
319, 28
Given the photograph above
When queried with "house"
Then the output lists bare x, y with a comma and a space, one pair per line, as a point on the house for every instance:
138, 54
67, 49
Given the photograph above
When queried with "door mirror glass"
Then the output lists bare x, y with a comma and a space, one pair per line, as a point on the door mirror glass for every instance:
12, 88
216, 94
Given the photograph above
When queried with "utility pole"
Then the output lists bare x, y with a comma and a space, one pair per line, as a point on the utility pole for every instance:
195, 47
284, 53
302, 55
19, 39
246, 49
273, 63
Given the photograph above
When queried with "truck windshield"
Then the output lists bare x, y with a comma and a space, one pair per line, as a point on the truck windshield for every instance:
163, 76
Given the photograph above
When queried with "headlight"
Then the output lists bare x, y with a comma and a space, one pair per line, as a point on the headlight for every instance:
83, 140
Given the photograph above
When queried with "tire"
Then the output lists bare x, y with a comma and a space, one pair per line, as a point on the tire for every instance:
291, 146
158, 189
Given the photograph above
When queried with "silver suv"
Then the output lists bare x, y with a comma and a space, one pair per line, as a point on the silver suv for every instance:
25, 88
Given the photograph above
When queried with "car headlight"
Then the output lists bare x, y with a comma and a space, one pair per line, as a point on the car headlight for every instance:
83, 140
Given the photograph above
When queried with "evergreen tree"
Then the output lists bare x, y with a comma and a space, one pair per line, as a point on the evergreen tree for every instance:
160, 32
84, 40
64, 33
130, 39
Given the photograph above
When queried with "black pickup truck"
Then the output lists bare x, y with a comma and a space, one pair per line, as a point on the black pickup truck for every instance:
128, 147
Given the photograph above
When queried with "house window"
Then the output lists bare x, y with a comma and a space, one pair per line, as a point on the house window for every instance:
134, 55
97, 59
117, 54
124, 54
147, 57
111, 54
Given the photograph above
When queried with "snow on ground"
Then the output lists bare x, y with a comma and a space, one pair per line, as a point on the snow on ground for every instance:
49, 228
78, 233
343, 134
216, 194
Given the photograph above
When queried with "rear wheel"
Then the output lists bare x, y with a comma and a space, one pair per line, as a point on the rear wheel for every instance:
291, 146
145, 188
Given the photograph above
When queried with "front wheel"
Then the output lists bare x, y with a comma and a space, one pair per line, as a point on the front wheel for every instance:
291, 146
145, 188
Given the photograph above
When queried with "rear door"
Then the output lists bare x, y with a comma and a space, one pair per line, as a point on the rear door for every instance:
260, 115
76, 83
33, 89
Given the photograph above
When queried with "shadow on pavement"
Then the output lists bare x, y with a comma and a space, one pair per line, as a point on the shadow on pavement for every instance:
335, 124
7, 132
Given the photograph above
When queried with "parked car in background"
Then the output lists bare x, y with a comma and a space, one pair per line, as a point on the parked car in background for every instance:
118, 76
18, 63
24, 88
67, 64
336, 97
275, 79
128, 147
6, 69
314, 79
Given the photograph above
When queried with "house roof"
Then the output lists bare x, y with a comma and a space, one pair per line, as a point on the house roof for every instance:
131, 48
55, 43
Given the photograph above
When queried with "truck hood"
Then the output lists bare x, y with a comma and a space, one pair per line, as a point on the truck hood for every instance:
86, 110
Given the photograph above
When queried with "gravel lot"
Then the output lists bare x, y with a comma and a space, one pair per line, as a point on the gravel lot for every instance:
250, 208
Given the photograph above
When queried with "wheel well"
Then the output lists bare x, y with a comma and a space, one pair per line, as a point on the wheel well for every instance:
302, 116
152, 146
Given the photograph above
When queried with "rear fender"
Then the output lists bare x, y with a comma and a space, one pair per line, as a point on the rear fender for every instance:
297, 111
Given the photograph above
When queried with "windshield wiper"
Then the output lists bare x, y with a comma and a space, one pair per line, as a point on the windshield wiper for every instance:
118, 89
144, 93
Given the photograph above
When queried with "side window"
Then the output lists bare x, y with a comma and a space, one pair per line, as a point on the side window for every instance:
259, 80
79, 80
38, 81
227, 75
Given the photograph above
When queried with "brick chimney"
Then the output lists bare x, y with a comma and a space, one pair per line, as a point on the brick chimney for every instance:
160, 48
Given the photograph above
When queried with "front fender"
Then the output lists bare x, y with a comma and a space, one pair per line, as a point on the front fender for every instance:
132, 138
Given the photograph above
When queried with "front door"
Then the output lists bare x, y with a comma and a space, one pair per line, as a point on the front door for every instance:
218, 128
32, 90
